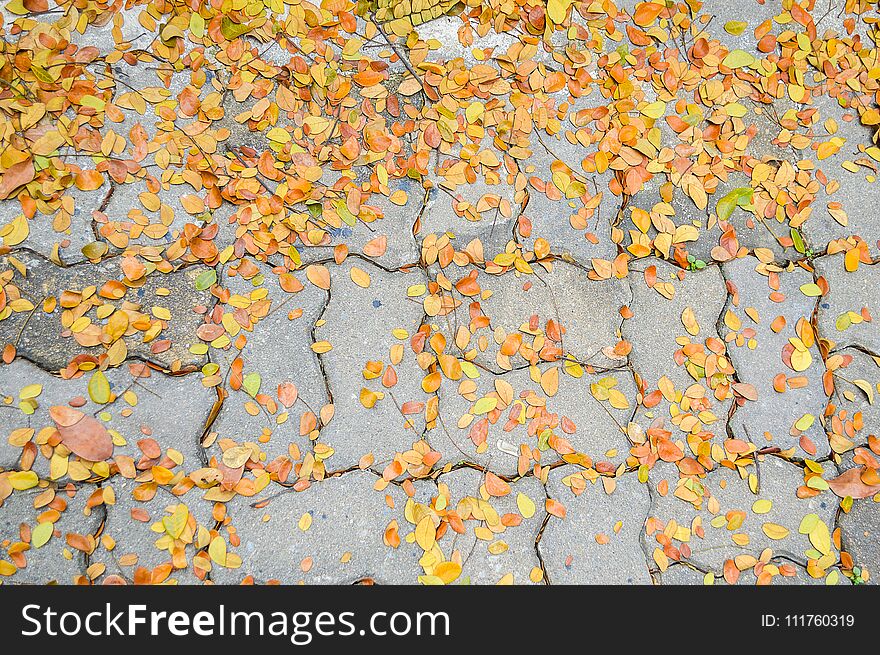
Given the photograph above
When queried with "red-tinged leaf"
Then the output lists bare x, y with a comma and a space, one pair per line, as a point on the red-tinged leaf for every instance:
731, 573
87, 438
850, 483
287, 393
65, 416
16, 176
495, 486
555, 508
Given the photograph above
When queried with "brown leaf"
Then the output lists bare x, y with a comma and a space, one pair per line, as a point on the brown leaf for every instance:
16, 176
746, 390
85, 437
850, 483
65, 416
287, 393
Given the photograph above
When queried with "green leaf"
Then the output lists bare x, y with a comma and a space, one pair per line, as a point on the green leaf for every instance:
739, 197
41, 534
738, 59
347, 217
251, 383
798, 241
232, 30
484, 405
206, 279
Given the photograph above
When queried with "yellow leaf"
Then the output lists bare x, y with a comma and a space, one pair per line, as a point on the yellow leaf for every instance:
617, 400
738, 59
368, 398
360, 277
774, 531
525, 505
217, 550
447, 571
425, 533
175, 524
821, 538
99, 388
735, 27
30, 391
22, 480
556, 10
689, 320
811, 290
41, 534
801, 360
654, 110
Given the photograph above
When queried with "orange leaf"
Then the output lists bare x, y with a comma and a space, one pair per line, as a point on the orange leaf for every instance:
88, 180
16, 176
495, 486
646, 13
555, 508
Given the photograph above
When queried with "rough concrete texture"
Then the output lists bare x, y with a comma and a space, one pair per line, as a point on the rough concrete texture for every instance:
53, 559
571, 548
42, 337
503, 298
762, 356
587, 310
279, 352
579, 412
725, 523
340, 540
356, 430
852, 297
508, 548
